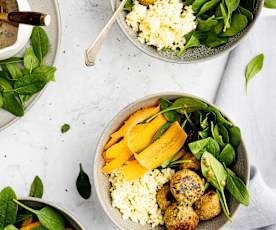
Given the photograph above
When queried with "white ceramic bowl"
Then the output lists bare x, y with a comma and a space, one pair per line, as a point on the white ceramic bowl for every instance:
23, 35
102, 185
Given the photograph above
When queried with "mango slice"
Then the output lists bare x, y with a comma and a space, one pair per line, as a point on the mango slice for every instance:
133, 170
134, 119
117, 149
163, 149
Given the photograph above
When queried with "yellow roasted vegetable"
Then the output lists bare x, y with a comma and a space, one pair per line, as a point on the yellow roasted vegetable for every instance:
133, 170
163, 149
31, 226
142, 137
133, 120
118, 161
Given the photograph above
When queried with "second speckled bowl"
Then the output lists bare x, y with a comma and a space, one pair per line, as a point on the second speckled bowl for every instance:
191, 55
102, 185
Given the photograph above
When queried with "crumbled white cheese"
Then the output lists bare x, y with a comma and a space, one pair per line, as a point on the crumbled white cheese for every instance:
136, 200
162, 24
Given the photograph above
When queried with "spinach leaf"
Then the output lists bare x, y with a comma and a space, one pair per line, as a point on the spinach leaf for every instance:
8, 209
161, 131
200, 146
128, 6
224, 207
65, 128
218, 28
197, 4
47, 71
30, 60
10, 102
1, 100
215, 174
246, 13
204, 133
192, 42
171, 116
10, 227
231, 5
188, 105
237, 188
36, 188
83, 184
227, 155
238, 24
219, 117
216, 134
14, 70
204, 122
30, 84
224, 133
252, 68
235, 136
208, 24
48, 217
214, 41
11, 60
22, 216
208, 6
270, 3
40, 42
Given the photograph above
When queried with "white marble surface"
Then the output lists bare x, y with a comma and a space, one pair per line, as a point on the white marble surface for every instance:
87, 99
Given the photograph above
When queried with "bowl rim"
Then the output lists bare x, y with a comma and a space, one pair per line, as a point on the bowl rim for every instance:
140, 100
246, 33
23, 33
53, 205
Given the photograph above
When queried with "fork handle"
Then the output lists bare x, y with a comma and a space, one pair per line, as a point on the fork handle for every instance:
92, 51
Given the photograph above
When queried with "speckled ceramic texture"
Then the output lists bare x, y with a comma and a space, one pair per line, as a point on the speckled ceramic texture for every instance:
54, 34
102, 184
201, 53
39, 203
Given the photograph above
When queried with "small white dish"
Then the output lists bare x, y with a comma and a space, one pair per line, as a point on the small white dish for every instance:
23, 35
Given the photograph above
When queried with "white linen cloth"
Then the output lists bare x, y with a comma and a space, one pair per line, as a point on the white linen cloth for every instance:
256, 115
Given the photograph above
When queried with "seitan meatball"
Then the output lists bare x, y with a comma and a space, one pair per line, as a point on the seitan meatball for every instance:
180, 217
146, 2
192, 162
186, 186
208, 206
164, 197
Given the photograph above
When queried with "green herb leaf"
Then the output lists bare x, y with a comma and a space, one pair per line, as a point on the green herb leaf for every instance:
30, 60
219, 117
192, 42
204, 133
246, 13
48, 217
208, 24
188, 105
235, 136
197, 4
171, 116
231, 5
47, 71
65, 128
128, 6
214, 41
40, 42
227, 155
10, 227
252, 68
22, 216
8, 209
11, 60
201, 146
161, 131
216, 134
237, 188
208, 6
270, 3
238, 24
36, 188
14, 70
83, 184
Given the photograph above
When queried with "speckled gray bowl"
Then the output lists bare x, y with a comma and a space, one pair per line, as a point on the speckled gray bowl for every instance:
39, 203
102, 184
191, 55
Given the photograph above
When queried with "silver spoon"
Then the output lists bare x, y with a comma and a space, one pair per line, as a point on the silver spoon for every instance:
92, 51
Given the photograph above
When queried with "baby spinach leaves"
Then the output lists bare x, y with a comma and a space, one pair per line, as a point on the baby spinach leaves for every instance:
65, 128
48, 217
171, 116
128, 6
227, 155
252, 68
8, 209
18, 84
193, 41
36, 188
201, 146
83, 184
270, 3
238, 23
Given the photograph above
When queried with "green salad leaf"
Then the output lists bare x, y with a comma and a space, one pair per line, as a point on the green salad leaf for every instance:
36, 188
83, 184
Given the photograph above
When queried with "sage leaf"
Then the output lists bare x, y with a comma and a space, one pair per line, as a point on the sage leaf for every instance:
36, 188
237, 188
8, 209
48, 217
30, 60
227, 155
40, 42
270, 3
208, 144
83, 184
65, 128
252, 68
